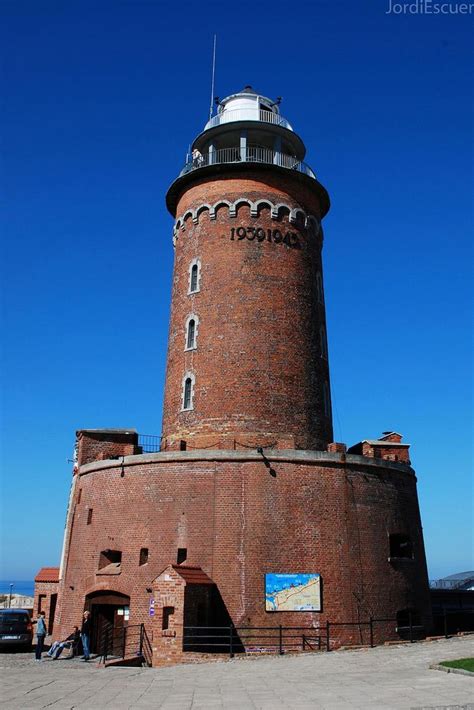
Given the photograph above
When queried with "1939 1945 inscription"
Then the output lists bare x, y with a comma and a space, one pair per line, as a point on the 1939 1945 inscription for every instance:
259, 234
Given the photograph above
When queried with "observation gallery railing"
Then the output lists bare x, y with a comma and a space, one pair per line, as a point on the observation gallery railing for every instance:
250, 154
248, 114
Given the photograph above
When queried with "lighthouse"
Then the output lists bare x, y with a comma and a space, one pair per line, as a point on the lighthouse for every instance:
248, 356
247, 515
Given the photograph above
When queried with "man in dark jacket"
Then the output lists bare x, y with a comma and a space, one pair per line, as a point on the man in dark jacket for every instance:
86, 634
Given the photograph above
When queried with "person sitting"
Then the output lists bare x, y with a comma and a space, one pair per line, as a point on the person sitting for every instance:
72, 642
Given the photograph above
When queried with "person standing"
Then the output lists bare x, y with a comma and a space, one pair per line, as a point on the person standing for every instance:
86, 634
40, 634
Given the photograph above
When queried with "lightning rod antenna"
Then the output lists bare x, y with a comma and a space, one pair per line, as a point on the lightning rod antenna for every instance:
213, 76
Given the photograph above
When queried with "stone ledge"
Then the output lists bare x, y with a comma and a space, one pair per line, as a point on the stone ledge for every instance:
447, 669
316, 458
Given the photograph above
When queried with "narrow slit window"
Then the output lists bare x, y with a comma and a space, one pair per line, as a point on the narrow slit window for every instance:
79, 496
89, 515
191, 335
143, 556
182, 555
194, 276
188, 392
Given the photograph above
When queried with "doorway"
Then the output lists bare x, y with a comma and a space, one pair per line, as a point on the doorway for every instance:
110, 612
52, 610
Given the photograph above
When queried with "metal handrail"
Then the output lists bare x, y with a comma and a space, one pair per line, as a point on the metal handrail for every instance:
121, 641
250, 154
149, 443
247, 114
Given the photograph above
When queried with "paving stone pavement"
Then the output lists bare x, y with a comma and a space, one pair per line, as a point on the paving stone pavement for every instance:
392, 677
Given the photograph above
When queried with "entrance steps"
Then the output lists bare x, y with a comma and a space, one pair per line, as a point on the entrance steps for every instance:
137, 661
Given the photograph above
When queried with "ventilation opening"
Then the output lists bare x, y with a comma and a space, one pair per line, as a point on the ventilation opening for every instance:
89, 516
168, 611
143, 556
110, 561
182, 555
401, 547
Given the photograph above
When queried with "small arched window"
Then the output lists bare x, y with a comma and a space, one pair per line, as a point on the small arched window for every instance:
323, 342
190, 340
188, 391
191, 332
194, 276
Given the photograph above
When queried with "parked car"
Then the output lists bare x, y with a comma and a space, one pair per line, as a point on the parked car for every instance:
16, 628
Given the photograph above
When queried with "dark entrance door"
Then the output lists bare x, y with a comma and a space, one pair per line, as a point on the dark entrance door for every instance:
109, 616
52, 611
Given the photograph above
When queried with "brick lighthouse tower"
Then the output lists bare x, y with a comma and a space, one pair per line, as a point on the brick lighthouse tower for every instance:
248, 514
247, 359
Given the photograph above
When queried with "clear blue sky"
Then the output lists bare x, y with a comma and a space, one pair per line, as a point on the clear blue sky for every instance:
101, 101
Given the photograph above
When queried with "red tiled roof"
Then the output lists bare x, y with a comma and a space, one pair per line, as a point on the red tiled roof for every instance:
48, 574
192, 575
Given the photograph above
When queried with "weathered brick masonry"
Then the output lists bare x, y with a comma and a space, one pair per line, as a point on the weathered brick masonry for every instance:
248, 480
260, 368
237, 521
46, 594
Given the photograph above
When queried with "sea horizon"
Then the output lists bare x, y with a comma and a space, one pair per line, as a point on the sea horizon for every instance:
25, 587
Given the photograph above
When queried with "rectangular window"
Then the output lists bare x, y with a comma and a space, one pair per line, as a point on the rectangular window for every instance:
89, 515
182, 555
79, 495
143, 556
41, 602
167, 612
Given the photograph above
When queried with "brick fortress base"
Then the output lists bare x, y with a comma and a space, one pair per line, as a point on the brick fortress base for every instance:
230, 517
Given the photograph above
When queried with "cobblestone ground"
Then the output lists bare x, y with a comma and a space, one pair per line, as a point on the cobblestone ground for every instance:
385, 677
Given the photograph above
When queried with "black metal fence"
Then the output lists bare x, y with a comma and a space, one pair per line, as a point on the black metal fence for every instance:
249, 639
281, 639
149, 443
448, 622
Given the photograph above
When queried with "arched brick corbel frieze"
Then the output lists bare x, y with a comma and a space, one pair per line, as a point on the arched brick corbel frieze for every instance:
309, 220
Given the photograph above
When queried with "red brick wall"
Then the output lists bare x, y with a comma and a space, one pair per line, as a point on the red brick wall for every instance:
237, 522
96, 446
258, 365
45, 590
389, 453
